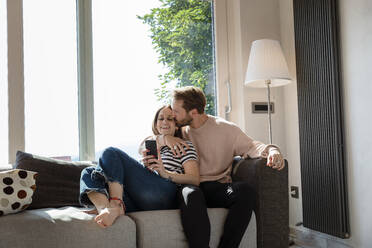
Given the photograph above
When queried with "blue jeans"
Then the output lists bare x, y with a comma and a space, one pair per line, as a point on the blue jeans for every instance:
143, 189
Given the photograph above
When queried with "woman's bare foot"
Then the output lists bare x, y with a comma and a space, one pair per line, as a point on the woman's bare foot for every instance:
108, 215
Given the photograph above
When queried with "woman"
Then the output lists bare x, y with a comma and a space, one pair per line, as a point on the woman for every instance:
120, 184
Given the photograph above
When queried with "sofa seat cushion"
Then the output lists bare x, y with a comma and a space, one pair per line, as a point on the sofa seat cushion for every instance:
63, 227
162, 228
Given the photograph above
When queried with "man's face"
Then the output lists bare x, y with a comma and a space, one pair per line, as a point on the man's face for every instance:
182, 117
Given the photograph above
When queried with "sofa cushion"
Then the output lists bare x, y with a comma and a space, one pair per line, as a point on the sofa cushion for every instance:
64, 227
162, 228
16, 190
72, 227
58, 181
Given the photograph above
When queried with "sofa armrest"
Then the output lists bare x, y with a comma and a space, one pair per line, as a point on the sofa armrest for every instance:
272, 208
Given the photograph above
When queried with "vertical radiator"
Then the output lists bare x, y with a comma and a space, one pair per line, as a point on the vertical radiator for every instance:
324, 189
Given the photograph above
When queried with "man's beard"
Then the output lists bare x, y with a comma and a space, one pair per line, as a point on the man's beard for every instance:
185, 122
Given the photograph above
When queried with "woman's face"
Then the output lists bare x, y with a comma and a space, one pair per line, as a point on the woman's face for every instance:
166, 123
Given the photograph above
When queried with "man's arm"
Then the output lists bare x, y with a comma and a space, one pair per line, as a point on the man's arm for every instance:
245, 146
174, 143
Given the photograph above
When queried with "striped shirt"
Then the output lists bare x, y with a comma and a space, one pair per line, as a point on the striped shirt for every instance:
175, 164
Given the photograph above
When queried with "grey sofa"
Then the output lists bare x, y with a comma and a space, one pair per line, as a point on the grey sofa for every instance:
70, 226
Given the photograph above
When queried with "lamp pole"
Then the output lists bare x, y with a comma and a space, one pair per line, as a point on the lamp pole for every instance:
268, 82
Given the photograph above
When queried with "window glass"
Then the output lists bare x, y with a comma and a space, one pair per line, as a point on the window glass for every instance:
136, 64
50, 66
3, 84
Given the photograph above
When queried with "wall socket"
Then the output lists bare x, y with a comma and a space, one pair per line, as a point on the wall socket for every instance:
294, 192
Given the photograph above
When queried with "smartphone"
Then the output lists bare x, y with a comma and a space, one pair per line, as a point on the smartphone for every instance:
151, 146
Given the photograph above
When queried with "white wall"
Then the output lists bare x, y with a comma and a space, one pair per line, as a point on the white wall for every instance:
291, 110
356, 55
269, 19
259, 20
274, 19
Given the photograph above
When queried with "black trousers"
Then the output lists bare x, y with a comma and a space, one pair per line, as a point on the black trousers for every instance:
238, 197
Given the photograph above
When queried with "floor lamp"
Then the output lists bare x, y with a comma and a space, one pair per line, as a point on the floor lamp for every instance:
267, 68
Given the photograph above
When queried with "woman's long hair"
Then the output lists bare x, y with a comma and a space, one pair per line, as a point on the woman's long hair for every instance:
178, 132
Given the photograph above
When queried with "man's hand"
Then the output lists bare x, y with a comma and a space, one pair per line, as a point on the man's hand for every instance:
275, 160
176, 145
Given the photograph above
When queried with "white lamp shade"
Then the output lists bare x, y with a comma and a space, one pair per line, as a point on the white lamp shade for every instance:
266, 62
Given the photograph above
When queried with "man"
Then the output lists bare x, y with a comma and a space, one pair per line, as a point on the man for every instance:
217, 142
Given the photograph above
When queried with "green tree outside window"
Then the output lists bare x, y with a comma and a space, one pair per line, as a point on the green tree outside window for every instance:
182, 34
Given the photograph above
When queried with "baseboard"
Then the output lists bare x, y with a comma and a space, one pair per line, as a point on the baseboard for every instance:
307, 238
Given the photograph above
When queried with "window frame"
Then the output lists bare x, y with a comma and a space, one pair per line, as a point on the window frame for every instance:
4, 79
16, 100
229, 67
85, 80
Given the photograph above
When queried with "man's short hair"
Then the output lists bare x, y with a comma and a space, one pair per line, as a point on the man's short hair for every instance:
192, 97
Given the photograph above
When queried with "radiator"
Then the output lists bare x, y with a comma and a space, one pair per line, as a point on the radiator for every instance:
324, 189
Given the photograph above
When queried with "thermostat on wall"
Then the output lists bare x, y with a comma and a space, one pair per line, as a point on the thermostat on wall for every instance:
261, 107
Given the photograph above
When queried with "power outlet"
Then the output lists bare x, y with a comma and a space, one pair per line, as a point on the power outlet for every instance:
294, 192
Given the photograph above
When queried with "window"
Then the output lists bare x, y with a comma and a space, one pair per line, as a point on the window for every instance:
3, 84
125, 75
50, 69
130, 83
131, 73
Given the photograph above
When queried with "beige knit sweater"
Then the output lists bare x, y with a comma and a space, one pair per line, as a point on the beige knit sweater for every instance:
217, 143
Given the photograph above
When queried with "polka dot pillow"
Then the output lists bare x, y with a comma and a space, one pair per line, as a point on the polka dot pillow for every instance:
16, 190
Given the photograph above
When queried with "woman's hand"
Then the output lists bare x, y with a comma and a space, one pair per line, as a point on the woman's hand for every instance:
153, 164
145, 157
176, 145
275, 159
157, 165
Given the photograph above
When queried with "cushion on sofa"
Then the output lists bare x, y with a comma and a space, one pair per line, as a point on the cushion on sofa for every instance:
16, 190
58, 181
